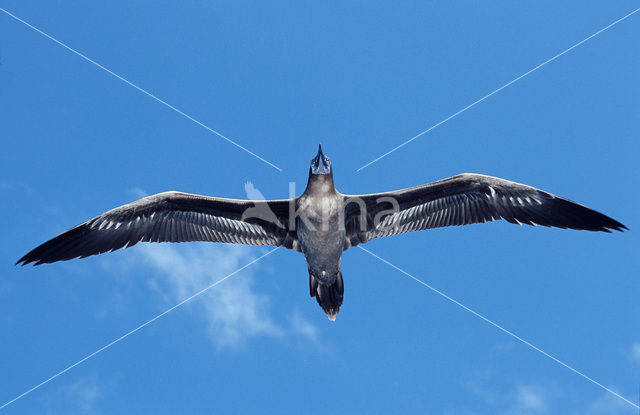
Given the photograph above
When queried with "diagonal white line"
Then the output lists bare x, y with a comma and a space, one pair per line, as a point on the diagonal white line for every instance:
497, 90
140, 89
89, 356
496, 325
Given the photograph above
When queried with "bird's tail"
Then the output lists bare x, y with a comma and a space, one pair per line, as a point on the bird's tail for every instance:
329, 296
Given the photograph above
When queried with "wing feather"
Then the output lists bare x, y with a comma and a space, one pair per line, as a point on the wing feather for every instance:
169, 217
471, 198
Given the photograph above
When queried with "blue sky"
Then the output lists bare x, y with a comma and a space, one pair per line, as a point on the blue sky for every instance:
278, 78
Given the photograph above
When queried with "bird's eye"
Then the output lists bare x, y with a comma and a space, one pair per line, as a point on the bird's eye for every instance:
326, 159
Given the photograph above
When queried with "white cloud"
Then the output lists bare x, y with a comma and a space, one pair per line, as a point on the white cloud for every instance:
303, 327
529, 399
138, 192
607, 404
233, 310
543, 397
83, 396
635, 352
533, 399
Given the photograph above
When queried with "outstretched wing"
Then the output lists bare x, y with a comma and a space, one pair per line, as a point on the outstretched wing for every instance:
171, 217
466, 199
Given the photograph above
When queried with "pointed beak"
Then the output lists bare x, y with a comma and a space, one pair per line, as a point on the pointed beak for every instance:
319, 165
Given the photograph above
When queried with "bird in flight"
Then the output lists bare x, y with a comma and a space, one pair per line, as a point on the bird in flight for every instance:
321, 222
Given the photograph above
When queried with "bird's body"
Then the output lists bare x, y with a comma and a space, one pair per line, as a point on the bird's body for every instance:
321, 223
321, 236
320, 231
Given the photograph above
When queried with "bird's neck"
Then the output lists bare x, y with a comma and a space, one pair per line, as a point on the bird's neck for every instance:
321, 184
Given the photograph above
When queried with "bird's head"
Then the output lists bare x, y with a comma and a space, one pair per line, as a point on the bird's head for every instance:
320, 164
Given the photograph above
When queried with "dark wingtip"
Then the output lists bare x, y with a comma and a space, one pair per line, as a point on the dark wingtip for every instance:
22, 261
588, 219
30, 257
617, 226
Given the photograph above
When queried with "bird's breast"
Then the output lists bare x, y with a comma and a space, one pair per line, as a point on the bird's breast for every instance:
321, 234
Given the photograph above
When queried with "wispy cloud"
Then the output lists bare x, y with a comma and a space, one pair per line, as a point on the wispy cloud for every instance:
85, 394
138, 192
301, 326
528, 399
82, 397
510, 399
15, 186
531, 397
635, 352
535, 399
606, 404
233, 311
